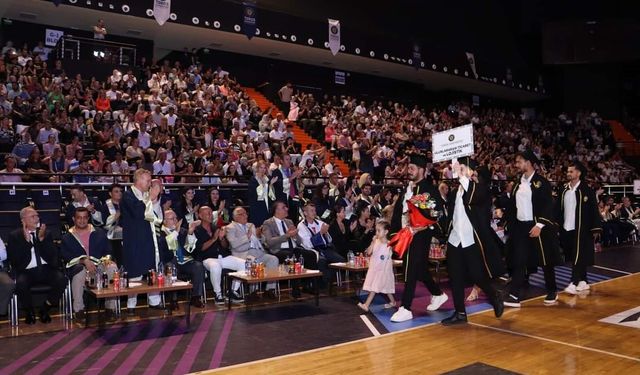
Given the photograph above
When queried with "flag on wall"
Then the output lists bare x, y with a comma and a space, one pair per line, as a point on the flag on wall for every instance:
249, 18
161, 11
416, 56
472, 63
334, 36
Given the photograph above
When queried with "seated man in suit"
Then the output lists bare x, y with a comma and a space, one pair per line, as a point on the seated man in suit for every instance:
213, 249
244, 243
34, 259
314, 235
282, 240
82, 249
6, 283
177, 244
80, 199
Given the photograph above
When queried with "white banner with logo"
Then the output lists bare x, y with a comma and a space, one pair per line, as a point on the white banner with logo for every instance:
453, 143
636, 187
161, 11
472, 63
52, 36
334, 36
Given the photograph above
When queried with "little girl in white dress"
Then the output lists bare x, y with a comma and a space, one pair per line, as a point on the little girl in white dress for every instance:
380, 277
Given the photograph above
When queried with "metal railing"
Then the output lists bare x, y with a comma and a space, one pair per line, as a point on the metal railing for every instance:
76, 47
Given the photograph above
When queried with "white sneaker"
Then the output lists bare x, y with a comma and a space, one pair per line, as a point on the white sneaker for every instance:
437, 301
582, 286
402, 315
571, 289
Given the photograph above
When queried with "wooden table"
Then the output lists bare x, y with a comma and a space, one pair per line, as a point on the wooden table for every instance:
274, 276
99, 294
352, 268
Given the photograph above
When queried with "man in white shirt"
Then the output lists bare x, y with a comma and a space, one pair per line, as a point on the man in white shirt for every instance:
42, 51
10, 167
285, 93
144, 138
581, 226
162, 166
171, 117
466, 256
533, 234
314, 235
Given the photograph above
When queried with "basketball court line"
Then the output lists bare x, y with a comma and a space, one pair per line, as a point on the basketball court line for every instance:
613, 270
555, 341
370, 325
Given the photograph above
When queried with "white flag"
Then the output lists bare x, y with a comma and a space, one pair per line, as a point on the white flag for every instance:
161, 10
334, 36
472, 63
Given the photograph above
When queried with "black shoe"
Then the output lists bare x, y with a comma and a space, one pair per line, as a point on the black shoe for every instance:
498, 304
551, 298
456, 318
236, 298
511, 301
131, 311
44, 316
30, 317
173, 306
218, 300
270, 294
110, 315
197, 302
79, 315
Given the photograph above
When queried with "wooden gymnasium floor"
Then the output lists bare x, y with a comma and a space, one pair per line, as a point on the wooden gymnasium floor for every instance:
567, 338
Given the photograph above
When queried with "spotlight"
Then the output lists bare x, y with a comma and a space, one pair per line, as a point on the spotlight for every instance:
357, 51
149, 12
293, 38
342, 48
125, 8
445, 69
195, 20
173, 16
216, 24
236, 28
386, 56
310, 41
434, 67
372, 54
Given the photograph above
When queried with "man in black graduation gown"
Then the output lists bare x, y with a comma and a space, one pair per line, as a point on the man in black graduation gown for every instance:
471, 248
416, 257
533, 235
579, 218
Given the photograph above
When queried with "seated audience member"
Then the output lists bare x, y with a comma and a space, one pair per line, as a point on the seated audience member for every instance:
365, 229
610, 224
7, 285
314, 235
39, 171
244, 243
213, 248
282, 240
34, 260
10, 162
82, 249
111, 211
177, 245
80, 199
341, 230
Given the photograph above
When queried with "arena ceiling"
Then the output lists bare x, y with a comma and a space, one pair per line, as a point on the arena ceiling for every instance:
172, 36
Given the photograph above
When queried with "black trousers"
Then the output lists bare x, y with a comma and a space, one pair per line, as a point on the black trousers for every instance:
579, 270
44, 274
522, 250
194, 270
6, 291
417, 268
465, 266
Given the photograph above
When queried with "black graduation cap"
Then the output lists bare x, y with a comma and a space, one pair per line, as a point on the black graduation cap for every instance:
419, 160
528, 155
470, 163
579, 166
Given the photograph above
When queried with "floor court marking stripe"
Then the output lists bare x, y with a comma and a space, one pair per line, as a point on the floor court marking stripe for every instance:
614, 270
555, 341
222, 340
370, 325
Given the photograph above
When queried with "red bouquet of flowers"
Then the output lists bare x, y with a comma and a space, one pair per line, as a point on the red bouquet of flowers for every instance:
422, 214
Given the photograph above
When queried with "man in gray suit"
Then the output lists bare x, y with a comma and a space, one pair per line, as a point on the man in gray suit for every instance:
244, 243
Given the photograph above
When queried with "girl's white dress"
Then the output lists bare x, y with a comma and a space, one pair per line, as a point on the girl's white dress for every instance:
380, 277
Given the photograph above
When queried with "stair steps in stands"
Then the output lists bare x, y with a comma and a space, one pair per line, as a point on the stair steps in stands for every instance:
624, 139
299, 134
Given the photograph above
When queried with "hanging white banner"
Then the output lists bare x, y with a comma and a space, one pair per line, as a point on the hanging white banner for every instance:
472, 63
161, 11
334, 36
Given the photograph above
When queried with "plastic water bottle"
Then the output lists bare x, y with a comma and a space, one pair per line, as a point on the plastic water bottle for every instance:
301, 260
174, 273
247, 266
352, 258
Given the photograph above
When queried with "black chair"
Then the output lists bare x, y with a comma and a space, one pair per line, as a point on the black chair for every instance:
51, 218
46, 199
13, 199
